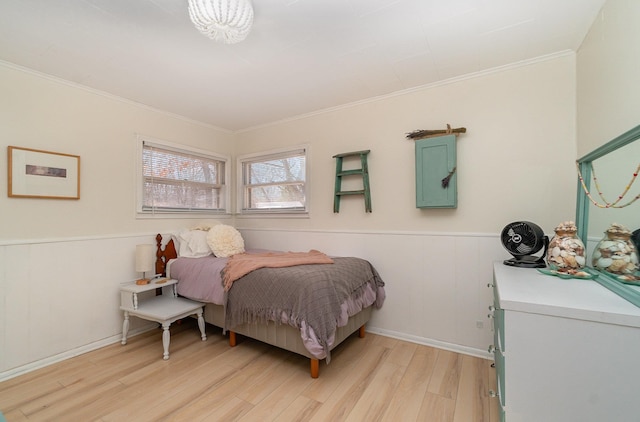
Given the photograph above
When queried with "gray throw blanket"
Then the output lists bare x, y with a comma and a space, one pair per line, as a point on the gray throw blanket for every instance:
311, 293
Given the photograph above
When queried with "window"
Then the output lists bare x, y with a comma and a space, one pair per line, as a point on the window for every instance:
273, 182
177, 179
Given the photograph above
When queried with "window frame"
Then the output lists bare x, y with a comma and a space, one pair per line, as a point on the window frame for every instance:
183, 149
267, 156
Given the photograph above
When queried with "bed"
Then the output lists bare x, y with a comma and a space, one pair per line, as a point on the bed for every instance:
310, 321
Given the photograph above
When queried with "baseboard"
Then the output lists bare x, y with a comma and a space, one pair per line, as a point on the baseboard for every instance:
471, 351
32, 366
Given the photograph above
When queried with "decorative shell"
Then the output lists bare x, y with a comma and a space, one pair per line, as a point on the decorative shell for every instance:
618, 229
616, 253
566, 226
566, 250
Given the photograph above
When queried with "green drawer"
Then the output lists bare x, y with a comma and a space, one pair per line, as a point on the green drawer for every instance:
498, 329
498, 319
499, 359
496, 296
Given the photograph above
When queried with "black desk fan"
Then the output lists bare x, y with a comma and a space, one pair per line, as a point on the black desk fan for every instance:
522, 239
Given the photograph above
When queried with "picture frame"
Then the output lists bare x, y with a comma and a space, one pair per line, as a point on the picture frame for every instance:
36, 173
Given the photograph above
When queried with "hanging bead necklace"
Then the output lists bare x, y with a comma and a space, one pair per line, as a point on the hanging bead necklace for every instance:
607, 204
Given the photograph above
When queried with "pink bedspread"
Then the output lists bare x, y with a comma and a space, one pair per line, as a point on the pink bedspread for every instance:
242, 264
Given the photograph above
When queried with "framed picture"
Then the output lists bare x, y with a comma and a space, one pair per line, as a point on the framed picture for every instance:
43, 174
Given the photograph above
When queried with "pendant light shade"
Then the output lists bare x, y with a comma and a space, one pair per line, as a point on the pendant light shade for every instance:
228, 21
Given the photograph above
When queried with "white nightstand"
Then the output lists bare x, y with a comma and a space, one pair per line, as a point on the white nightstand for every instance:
164, 309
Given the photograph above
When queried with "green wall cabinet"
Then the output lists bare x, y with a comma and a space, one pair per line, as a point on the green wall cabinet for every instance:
435, 159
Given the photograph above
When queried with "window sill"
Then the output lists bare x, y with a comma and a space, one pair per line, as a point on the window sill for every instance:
185, 215
272, 214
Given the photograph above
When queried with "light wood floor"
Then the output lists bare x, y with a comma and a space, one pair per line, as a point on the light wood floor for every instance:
371, 379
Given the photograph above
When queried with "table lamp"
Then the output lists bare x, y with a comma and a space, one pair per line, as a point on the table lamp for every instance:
144, 261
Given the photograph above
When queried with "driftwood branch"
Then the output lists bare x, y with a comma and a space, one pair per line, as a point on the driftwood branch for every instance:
421, 134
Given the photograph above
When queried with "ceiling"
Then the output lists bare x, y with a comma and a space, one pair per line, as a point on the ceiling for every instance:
301, 56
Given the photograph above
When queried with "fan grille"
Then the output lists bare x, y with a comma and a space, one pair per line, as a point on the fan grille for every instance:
522, 238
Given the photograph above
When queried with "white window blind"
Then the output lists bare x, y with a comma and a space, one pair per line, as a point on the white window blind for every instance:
274, 182
177, 180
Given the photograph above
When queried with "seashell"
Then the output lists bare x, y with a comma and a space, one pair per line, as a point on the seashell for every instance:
604, 263
616, 266
555, 251
596, 254
607, 244
619, 256
580, 261
606, 253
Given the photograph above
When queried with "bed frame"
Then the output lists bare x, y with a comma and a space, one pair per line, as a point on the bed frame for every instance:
279, 335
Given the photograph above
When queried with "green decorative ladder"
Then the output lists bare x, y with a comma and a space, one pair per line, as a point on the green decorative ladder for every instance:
362, 171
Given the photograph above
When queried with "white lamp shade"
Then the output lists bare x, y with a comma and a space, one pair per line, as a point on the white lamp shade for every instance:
145, 258
228, 21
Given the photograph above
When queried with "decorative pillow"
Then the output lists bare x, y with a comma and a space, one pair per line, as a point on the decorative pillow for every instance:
193, 244
176, 241
225, 241
206, 225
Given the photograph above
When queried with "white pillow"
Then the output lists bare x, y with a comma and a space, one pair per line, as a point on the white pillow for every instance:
193, 244
205, 225
225, 241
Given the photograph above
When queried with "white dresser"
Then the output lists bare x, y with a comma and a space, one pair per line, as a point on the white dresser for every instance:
565, 350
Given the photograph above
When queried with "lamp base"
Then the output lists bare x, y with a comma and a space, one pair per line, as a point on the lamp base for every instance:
142, 281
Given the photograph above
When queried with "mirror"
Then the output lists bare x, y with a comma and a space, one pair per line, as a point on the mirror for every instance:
615, 171
614, 165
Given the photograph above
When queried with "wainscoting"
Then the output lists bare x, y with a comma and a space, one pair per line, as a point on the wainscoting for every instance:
59, 297
436, 283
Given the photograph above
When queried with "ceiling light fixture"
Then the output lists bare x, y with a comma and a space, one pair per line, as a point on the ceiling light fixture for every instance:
228, 21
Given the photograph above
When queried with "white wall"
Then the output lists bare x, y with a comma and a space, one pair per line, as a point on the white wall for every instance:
63, 260
47, 114
516, 162
608, 105
608, 68
436, 283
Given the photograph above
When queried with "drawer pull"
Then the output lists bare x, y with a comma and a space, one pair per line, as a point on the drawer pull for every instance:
492, 349
492, 308
493, 393
489, 316
490, 285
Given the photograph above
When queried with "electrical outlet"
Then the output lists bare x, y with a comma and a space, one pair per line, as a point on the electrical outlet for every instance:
479, 325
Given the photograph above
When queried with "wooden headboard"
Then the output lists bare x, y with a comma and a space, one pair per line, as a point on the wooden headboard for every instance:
164, 255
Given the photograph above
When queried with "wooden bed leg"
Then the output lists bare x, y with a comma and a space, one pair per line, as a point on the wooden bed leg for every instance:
232, 339
315, 368
361, 332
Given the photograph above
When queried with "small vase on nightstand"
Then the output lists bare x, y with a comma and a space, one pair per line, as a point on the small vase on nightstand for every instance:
566, 250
